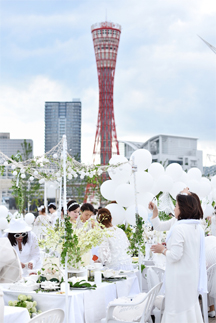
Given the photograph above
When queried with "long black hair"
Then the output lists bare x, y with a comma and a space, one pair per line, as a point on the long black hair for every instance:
13, 240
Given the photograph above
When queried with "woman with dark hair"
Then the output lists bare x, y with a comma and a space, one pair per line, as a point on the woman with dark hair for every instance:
43, 218
53, 211
166, 225
25, 243
87, 210
113, 250
73, 210
185, 276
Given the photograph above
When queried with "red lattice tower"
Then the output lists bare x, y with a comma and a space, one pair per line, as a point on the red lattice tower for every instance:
106, 36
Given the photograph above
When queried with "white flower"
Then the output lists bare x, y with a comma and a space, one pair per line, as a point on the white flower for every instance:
14, 173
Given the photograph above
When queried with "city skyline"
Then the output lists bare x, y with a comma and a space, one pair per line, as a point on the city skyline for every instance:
164, 80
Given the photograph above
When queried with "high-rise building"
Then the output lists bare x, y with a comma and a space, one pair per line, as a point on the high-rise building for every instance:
106, 36
10, 147
63, 118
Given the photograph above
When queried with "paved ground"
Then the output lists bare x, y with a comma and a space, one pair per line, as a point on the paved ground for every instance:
212, 320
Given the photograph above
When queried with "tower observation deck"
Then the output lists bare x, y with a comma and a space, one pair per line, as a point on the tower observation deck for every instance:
106, 36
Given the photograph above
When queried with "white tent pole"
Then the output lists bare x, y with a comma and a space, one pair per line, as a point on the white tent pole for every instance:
134, 167
60, 199
45, 196
65, 208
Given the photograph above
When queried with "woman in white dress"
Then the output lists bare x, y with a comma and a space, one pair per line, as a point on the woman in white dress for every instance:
43, 219
25, 243
113, 250
87, 211
185, 276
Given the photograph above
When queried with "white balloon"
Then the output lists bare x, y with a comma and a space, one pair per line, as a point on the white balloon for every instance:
124, 195
155, 188
117, 212
214, 194
107, 190
213, 181
145, 198
29, 218
208, 211
142, 158
205, 187
174, 170
176, 189
156, 170
131, 212
184, 178
3, 211
195, 174
144, 181
194, 186
116, 159
3, 224
165, 183
120, 174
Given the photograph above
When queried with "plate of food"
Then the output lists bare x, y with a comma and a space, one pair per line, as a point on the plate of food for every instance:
48, 285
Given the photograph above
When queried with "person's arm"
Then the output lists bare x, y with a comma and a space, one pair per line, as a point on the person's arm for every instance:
157, 224
35, 250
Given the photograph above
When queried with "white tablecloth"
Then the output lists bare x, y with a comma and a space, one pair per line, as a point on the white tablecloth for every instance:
16, 315
87, 306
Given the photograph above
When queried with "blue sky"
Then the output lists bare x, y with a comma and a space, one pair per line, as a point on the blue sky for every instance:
165, 80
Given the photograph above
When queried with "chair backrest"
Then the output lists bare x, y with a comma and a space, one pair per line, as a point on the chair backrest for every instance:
150, 297
154, 276
211, 275
51, 316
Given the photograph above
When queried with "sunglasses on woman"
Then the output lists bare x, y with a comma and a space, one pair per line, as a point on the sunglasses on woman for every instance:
20, 235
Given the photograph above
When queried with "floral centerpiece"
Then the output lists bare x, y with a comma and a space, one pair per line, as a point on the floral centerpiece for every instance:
73, 242
26, 302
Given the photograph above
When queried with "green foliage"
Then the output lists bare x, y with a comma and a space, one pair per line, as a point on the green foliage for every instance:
137, 240
23, 190
163, 216
70, 245
82, 284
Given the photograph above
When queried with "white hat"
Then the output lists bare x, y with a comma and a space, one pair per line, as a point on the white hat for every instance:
18, 226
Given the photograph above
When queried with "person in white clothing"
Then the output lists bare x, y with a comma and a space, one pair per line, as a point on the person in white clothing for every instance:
43, 218
54, 214
113, 250
25, 243
185, 274
10, 269
87, 211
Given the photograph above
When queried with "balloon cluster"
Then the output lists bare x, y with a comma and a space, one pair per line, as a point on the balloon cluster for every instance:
150, 180
4, 212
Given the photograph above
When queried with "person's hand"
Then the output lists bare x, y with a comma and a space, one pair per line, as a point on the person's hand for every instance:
22, 265
153, 208
30, 265
186, 190
157, 248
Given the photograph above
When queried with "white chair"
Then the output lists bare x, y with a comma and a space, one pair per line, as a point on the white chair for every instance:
51, 316
154, 276
140, 311
211, 274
